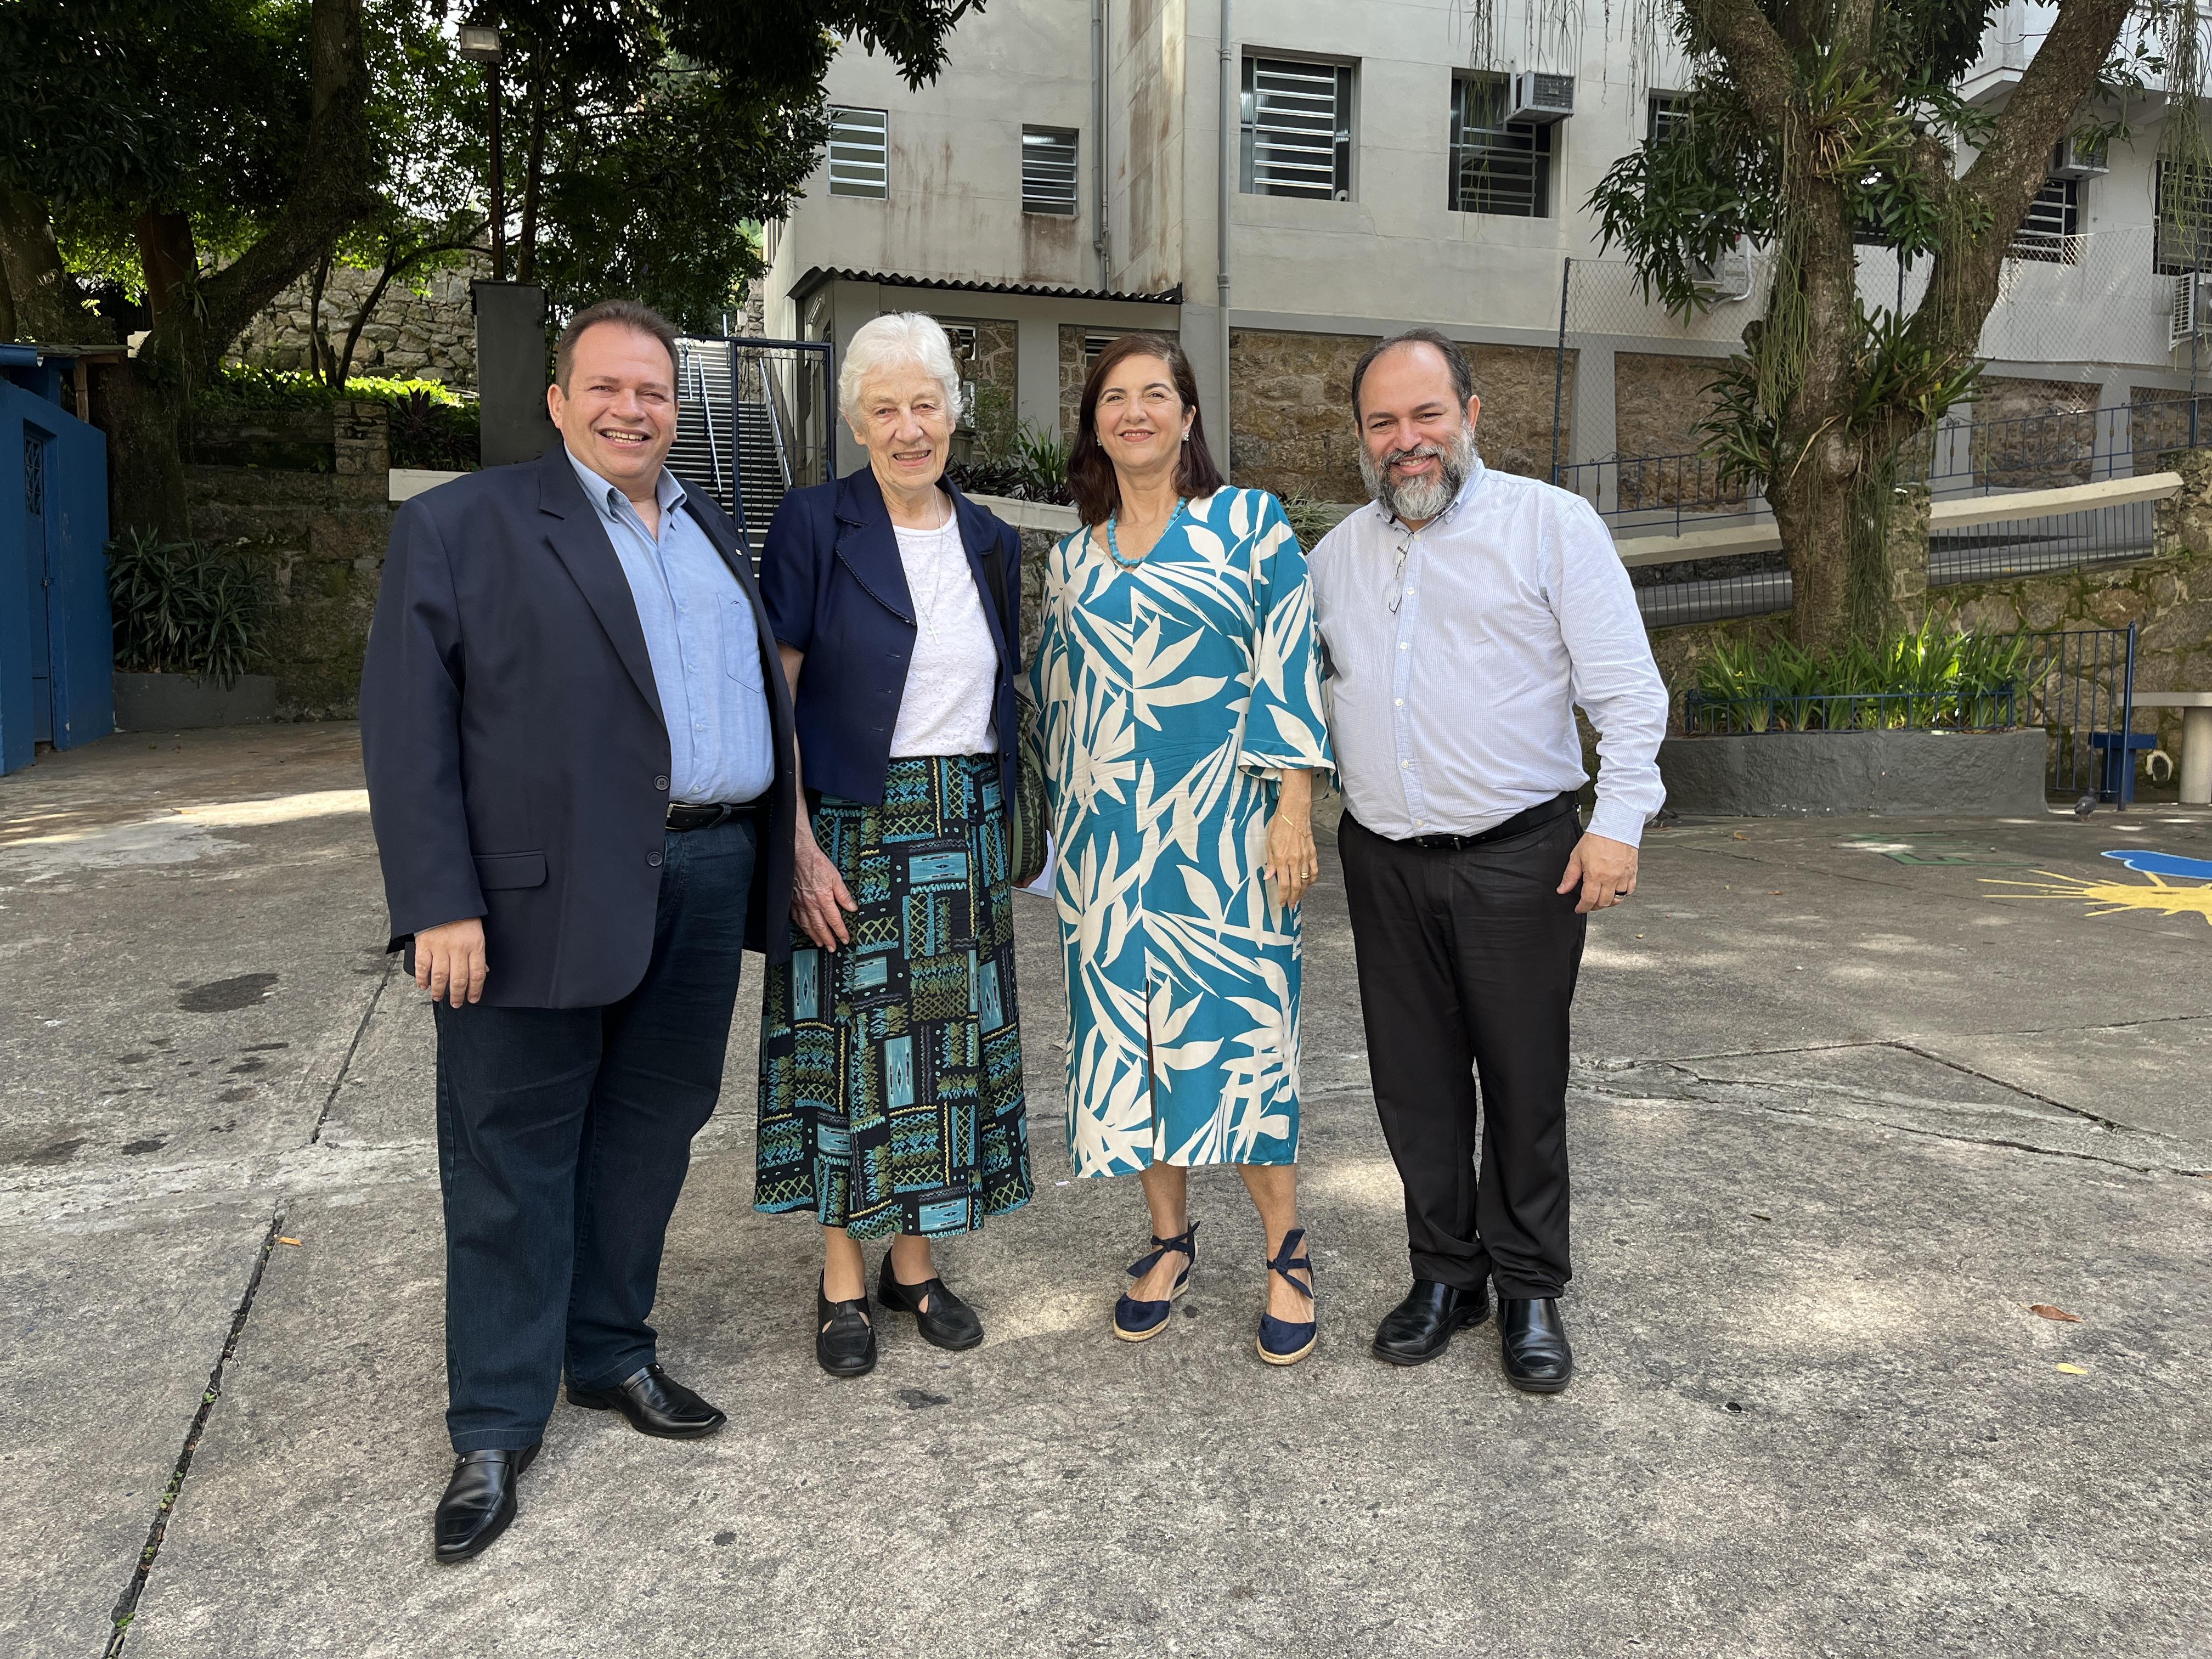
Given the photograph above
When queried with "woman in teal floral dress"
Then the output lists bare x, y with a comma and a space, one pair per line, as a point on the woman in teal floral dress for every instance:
1176, 679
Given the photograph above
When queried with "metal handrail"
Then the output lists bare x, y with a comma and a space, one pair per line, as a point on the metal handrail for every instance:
774, 424
707, 418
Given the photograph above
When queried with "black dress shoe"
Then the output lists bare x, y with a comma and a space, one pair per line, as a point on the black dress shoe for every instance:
1420, 1328
655, 1403
947, 1322
1537, 1358
844, 1341
479, 1501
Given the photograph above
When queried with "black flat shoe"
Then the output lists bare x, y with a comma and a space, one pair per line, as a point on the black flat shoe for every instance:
655, 1403
844, 1341
948, 1321
479, 1502
1537, 1358
1420, 1328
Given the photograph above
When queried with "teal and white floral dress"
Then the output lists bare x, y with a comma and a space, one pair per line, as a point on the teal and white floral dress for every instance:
1173, 694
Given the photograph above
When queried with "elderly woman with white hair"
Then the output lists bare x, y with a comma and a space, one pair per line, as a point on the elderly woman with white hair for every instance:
891, 1098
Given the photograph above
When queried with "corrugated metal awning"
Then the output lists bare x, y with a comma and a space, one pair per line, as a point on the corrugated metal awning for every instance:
818, 275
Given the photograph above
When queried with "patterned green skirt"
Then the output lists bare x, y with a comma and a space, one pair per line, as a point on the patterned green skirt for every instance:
890, 1097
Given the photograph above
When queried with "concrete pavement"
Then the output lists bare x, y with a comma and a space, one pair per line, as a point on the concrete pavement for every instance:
1850, 1097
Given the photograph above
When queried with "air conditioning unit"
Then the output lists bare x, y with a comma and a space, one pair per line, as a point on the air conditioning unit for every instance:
1541, 99
1729, 277
2078, 158
2187, 315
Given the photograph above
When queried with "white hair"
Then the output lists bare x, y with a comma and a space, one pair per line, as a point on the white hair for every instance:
897, 339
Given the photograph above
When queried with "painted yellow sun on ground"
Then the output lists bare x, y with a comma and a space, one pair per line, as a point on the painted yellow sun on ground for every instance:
2110, 898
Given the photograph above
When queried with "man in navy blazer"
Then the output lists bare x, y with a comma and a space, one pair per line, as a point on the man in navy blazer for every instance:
579, 746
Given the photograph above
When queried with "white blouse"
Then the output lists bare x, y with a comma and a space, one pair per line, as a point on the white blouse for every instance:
951, 680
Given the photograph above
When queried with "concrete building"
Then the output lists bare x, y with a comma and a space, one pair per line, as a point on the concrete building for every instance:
1066, 177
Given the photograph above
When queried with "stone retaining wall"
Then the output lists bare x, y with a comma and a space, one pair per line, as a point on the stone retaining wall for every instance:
1290, 410
429, 336
319, 530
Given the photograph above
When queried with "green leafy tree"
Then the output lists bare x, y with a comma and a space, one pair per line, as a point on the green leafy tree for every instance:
1808, 127
180, 163
647, 138
141, 140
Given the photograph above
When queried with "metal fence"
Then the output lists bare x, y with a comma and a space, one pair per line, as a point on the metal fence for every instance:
2081, 687
2078, 685
1953, 708
1651, 494
753, 421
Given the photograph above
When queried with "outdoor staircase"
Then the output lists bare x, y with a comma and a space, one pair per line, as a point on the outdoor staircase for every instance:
762, 471
726, 446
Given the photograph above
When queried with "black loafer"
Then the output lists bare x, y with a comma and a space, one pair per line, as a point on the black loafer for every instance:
479, 1502
844, 1341
948, 1321
1420, 1328
1537, 1358
655, 1403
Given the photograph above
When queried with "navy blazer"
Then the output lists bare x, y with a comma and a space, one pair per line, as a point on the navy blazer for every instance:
837, 592
517, 758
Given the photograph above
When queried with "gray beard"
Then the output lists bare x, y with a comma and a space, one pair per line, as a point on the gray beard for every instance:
1419, 498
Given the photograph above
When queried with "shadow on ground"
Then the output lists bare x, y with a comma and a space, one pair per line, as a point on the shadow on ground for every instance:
1842, 1113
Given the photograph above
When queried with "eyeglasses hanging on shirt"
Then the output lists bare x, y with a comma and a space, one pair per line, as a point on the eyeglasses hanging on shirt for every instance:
1398, 576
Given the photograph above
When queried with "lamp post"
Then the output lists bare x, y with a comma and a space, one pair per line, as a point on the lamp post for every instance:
481, 45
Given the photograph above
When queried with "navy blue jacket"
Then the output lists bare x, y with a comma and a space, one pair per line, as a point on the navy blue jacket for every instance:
837, 592
517, 758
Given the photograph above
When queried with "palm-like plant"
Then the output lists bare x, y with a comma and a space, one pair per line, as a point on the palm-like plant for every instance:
183, 608
1934, 676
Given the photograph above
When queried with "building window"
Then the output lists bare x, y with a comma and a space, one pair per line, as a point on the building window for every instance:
1093, 344
1666, 118
859, 152
2184, 239
1049, 171
1297, 129
1497, 165
2053, 221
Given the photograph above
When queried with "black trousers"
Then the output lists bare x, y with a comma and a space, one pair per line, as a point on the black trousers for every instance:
564, 1135
1467, 961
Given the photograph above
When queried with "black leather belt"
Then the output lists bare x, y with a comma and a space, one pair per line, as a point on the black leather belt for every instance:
685, 816
1535, 817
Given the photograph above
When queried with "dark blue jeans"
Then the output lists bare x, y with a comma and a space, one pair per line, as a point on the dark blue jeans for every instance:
564, 1138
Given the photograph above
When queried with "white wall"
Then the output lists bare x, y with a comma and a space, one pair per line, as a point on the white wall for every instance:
955, 201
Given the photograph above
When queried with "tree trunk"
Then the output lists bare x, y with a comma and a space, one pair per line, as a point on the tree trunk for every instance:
320, 358
171, 262
392, 264
49, 307
143, 414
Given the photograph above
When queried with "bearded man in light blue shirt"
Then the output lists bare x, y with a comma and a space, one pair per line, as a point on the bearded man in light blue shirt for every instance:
1465, 614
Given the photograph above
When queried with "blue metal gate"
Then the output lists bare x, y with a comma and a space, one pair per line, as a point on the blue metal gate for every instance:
56, 646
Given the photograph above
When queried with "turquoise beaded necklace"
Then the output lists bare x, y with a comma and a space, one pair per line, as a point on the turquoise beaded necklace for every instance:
1113, 546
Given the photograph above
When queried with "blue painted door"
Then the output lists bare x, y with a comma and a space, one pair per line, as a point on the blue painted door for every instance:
39, 581
57, 648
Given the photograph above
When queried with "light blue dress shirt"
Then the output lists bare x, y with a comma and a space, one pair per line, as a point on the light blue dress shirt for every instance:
703, 642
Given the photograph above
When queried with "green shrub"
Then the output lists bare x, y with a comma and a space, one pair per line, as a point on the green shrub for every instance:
182, 608
443, 437
1041, 456
1311, 520
431, 425
1937, 677
1032, 467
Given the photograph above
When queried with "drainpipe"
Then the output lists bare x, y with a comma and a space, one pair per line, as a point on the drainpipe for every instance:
1230, 124
1101, 240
